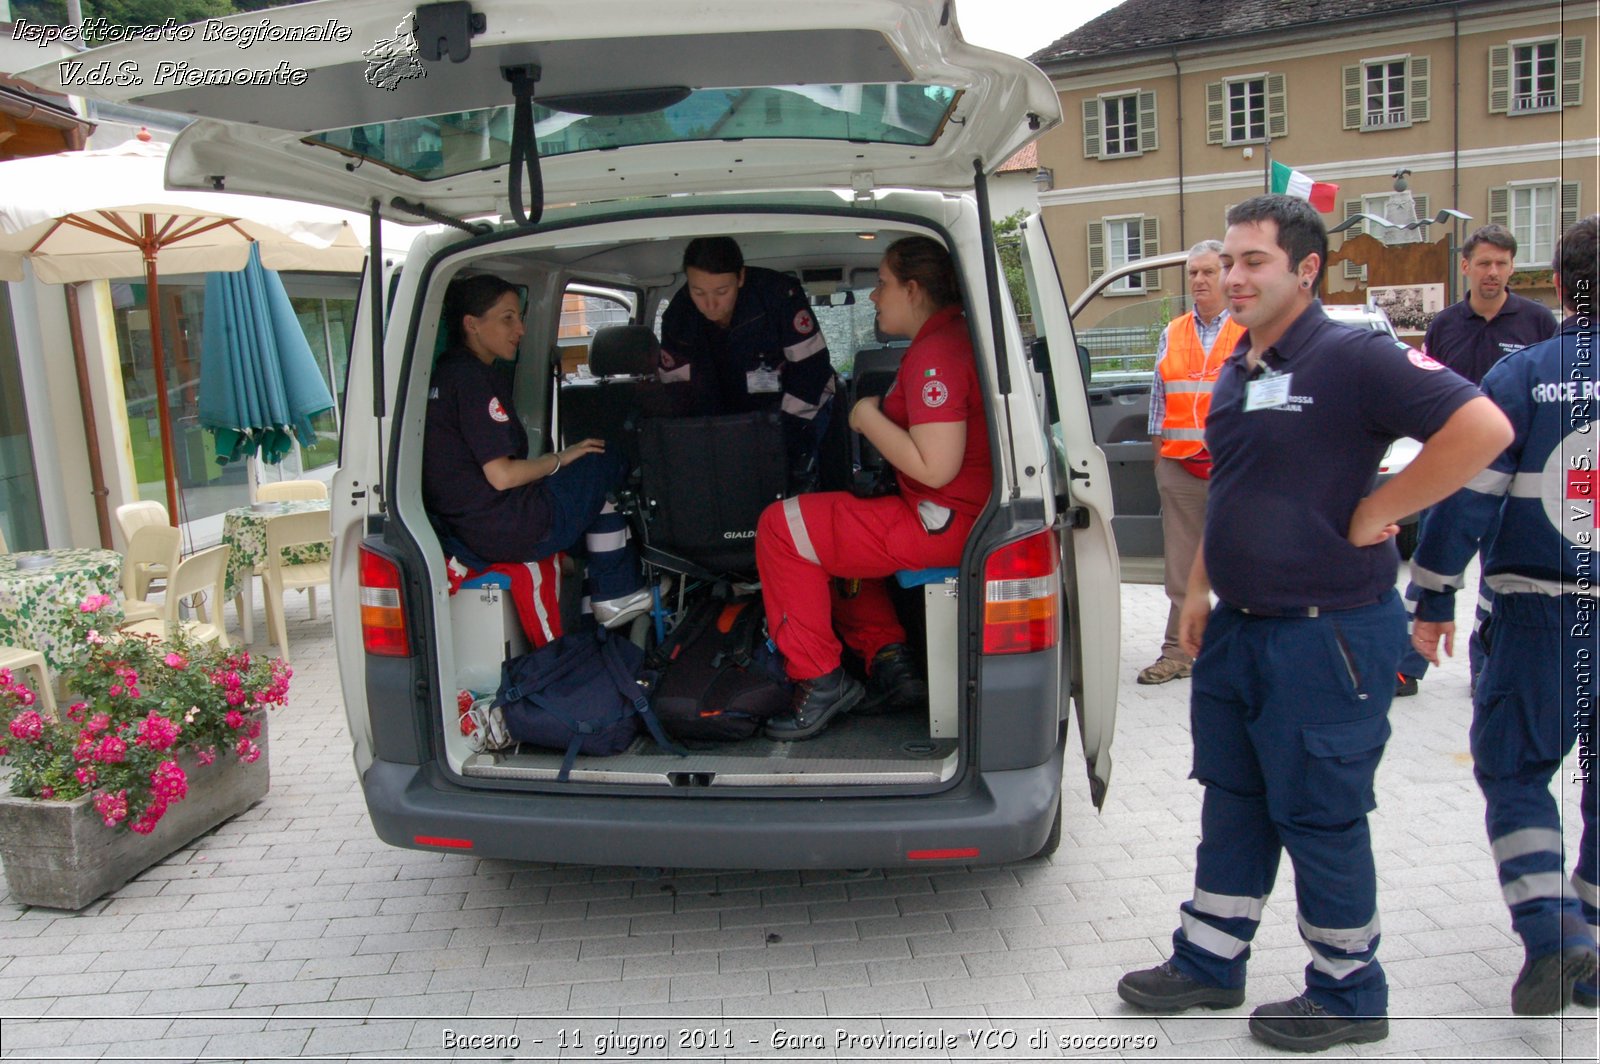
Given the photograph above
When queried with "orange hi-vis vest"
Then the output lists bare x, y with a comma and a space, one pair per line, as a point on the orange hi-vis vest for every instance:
1187, 374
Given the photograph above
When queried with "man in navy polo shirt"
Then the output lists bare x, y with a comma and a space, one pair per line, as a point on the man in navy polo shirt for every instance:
1470, 337
1491, 322
1293, 672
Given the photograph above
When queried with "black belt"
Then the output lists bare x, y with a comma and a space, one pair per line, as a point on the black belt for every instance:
1299, 611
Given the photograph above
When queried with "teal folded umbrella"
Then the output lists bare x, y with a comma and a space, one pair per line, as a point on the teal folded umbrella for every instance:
260, 386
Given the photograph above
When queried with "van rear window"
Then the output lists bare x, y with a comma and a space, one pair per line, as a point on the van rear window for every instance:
445, 145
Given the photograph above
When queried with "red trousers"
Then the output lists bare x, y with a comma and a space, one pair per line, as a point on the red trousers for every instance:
801, 543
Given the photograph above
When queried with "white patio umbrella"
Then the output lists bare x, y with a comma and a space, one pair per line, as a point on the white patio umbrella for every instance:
96, 215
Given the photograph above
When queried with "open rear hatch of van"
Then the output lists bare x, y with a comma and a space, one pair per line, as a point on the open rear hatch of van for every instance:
629, 98
414, 111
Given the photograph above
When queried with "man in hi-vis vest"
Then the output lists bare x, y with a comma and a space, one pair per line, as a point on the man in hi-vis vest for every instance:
1191, 351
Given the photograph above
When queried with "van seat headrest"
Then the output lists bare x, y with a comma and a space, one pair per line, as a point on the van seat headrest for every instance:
623, 351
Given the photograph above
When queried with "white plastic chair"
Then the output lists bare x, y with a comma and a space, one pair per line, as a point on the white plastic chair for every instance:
292, 530
19, 660
132, 516
198, 574
291, 490
151, 549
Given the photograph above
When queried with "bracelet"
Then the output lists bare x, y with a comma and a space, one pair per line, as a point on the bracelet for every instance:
557, 456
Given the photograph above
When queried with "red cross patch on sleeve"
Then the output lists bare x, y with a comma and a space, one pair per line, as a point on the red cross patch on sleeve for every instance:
804, 323
496, 411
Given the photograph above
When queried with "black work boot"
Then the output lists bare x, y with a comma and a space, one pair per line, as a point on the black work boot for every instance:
1165, 989
816, 702
1304, 1026
1546, 983
893, 682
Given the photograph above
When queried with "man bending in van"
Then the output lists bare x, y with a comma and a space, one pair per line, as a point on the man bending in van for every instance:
745, 339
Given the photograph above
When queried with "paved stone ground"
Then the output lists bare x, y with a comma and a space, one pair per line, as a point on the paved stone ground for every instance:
293, 934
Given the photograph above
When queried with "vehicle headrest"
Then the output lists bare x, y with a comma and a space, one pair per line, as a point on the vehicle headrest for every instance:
623, 351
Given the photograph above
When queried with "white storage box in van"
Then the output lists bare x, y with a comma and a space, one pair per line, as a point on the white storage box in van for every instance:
816, 134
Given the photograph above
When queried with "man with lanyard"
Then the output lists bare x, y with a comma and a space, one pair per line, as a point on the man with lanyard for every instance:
1189, 355
1289, 712
1533, 511
1470, 337
745, 339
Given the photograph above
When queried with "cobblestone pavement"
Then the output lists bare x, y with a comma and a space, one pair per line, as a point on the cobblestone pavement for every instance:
293, 933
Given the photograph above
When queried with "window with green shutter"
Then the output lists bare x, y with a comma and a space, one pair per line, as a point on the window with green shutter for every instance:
1389, 93
1536, 76
1247, 109
1119, 124
1537, 213
1121, 240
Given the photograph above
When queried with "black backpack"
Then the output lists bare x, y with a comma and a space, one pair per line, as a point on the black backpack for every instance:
719, 678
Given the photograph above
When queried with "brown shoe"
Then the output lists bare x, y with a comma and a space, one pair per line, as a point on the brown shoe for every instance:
1163, 670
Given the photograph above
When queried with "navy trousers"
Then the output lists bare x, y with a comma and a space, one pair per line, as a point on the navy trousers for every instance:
1289, 718
1536, 697
580, 510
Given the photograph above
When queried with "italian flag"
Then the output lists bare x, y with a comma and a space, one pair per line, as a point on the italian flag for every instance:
1287, 181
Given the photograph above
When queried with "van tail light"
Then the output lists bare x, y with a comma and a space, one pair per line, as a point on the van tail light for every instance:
383, 618
1022, 596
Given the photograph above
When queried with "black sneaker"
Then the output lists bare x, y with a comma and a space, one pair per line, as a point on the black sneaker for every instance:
893, 683
1304, 1026
1165, 989
1404, 686
816, 702
1546, 983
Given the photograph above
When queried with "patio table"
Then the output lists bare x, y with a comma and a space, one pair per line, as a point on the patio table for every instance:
244, 530
40, 591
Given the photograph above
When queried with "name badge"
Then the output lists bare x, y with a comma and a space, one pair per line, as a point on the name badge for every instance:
763, 381
1265, 393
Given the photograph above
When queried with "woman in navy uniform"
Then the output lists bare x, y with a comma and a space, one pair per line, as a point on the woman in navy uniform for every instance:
477, 478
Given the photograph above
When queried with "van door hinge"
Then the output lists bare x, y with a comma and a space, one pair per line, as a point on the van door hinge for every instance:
1076, 517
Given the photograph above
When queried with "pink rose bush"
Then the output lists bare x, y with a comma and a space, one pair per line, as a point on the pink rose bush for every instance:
137, 705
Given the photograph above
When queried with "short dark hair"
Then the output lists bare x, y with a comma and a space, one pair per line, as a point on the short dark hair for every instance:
713, 254
925, 261
1300, 228
1575, 261
472, 295
1497, 235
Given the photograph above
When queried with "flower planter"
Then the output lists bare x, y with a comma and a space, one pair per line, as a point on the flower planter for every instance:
61, 854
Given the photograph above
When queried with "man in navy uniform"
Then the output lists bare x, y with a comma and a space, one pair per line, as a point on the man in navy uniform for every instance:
1470, 337
745, 339
1294, 667
1533, 511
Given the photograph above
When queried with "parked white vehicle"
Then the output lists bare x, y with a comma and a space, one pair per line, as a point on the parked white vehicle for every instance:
817, 134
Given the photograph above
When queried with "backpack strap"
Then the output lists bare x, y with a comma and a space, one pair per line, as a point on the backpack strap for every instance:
629, 688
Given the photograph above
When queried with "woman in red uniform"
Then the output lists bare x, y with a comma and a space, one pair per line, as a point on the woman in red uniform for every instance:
931, 426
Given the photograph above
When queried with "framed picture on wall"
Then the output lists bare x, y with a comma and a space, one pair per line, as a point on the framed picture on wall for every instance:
1410, 306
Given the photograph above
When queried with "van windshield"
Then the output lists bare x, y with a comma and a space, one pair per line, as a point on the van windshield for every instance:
445, 145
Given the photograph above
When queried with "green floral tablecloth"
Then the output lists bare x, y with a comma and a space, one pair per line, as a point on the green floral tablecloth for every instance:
35, 604
244, 530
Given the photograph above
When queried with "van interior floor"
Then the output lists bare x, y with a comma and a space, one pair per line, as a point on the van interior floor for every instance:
890, 749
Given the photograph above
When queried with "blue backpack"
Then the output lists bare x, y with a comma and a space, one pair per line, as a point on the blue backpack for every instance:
583, 693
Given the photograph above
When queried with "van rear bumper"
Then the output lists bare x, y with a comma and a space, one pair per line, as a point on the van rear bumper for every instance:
1003, 816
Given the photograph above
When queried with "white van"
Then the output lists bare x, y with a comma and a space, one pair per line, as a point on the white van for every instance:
814, 133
